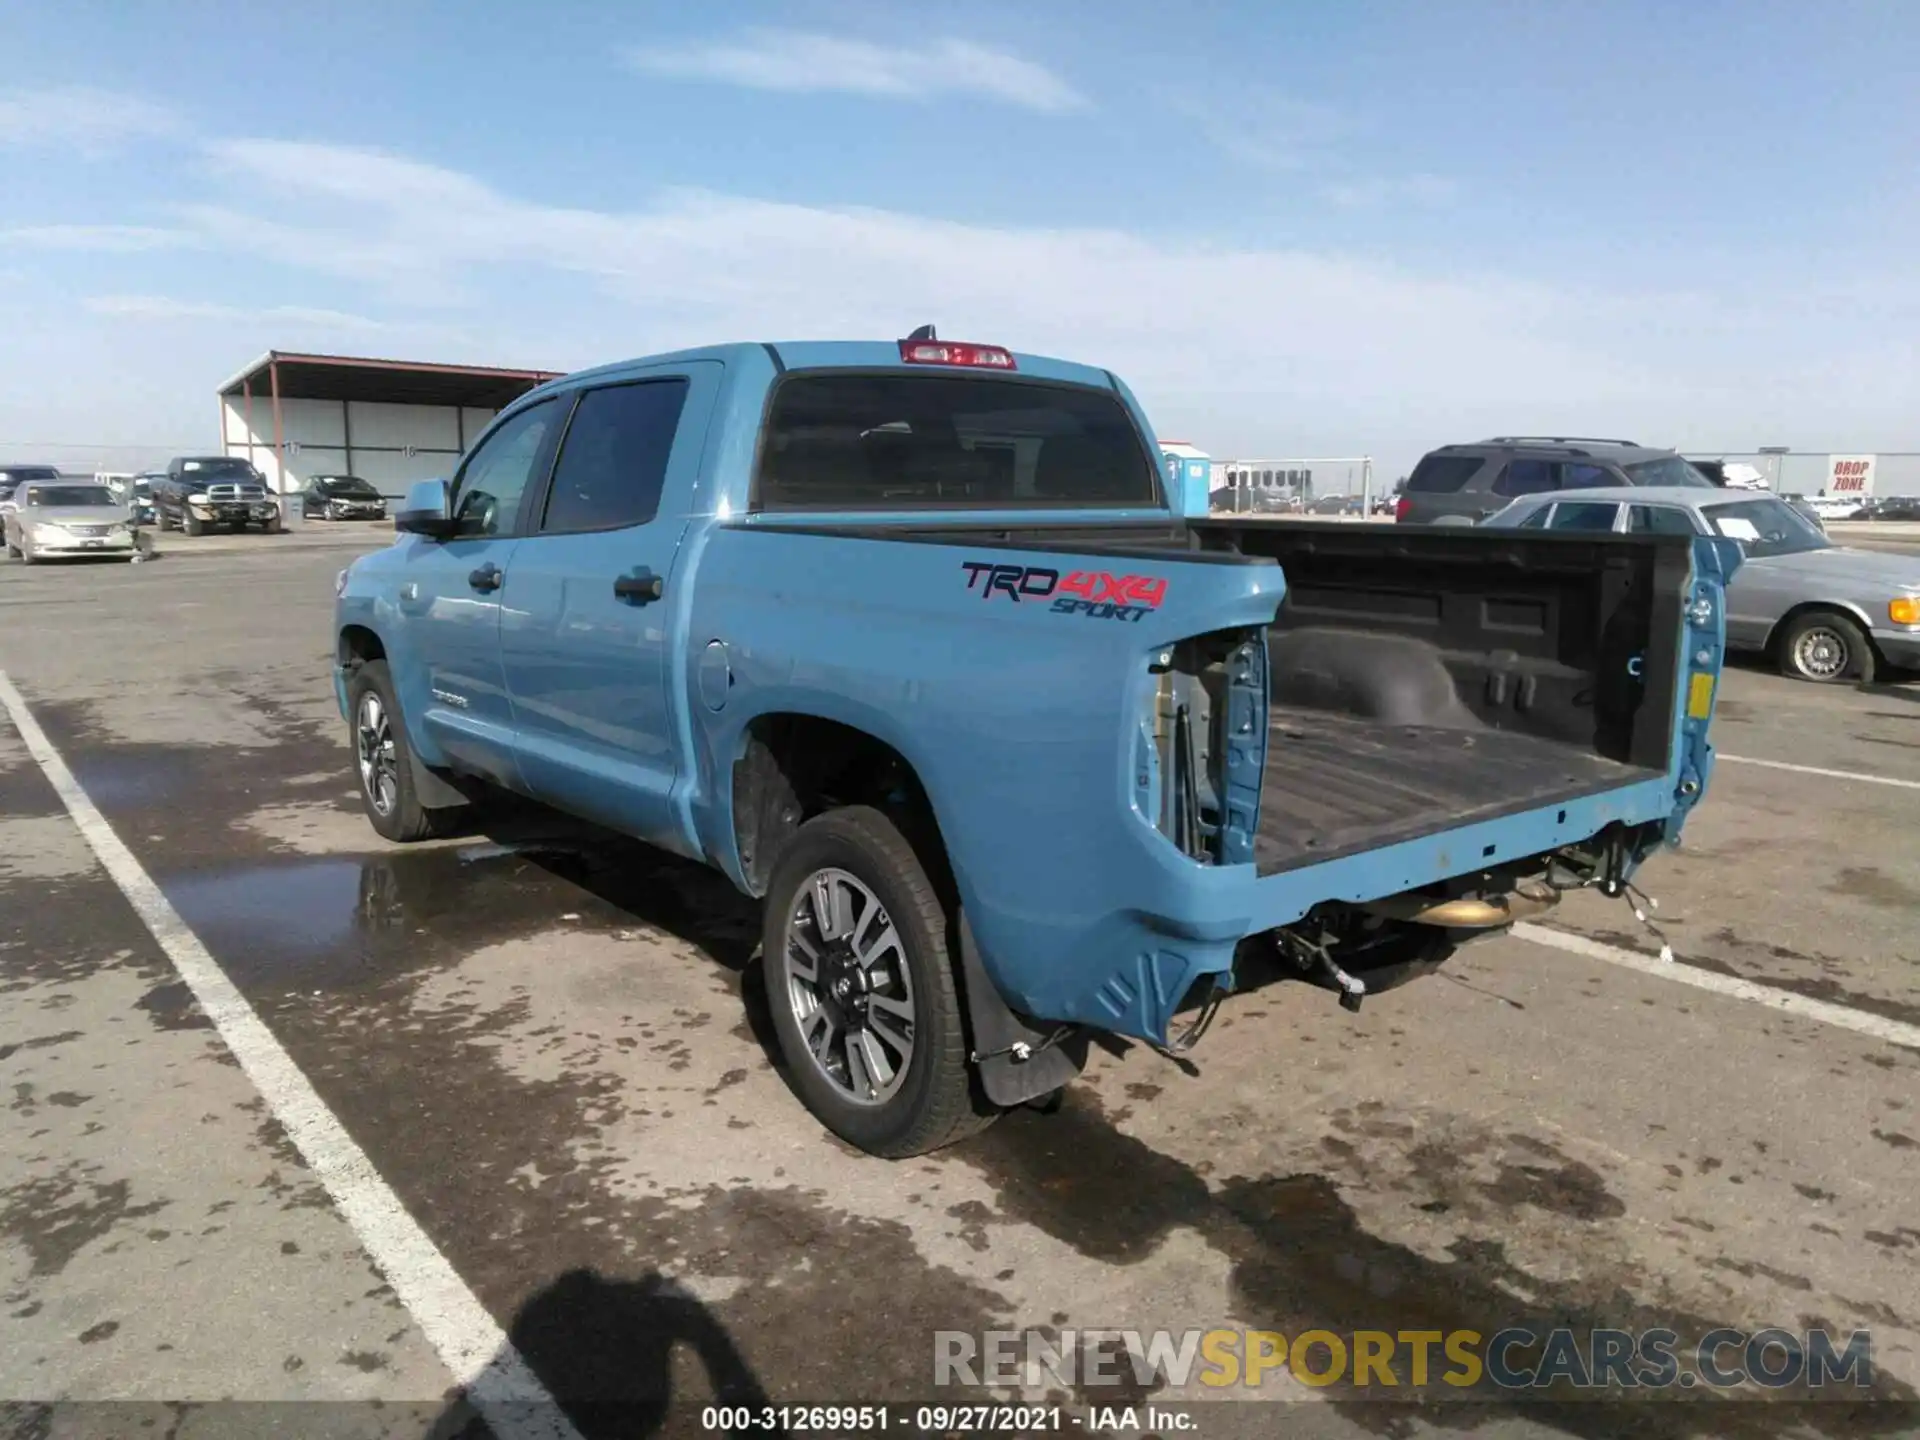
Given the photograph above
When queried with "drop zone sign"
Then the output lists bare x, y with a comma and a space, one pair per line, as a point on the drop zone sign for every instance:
1850, 474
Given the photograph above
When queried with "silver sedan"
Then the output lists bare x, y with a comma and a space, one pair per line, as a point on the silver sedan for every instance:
1823, 612
52, 518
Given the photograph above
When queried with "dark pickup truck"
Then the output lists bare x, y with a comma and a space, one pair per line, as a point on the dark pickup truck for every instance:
199, 492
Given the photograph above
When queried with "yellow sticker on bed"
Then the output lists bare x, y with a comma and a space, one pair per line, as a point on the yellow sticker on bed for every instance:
1700, 697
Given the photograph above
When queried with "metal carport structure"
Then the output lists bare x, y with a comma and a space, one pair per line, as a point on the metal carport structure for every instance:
297, 415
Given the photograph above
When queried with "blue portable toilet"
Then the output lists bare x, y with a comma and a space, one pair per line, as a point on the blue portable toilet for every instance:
1189, 478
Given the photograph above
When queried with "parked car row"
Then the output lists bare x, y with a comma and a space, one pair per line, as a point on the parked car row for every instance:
44, 513
1820, 611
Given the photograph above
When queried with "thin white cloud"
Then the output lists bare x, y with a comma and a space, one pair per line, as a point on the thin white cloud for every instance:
82, 118
1276, 330
1257, 126
167, 307
1380, 192
803, 62
1257, 348
102, 239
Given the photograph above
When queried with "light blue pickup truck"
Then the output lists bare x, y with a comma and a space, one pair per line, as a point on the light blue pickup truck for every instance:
904, 638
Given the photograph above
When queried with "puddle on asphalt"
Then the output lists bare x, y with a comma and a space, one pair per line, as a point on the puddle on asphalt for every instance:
332, 923
113, 781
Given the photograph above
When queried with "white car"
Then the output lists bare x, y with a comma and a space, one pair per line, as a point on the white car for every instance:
1833, 507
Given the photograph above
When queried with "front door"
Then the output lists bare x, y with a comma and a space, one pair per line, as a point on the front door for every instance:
589, 633
451, 592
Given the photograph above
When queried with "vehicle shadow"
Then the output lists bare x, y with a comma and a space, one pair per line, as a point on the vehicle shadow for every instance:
604, 1351
1304, 1258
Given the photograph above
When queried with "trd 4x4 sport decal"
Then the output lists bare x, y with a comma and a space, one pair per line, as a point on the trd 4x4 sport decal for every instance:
1093, 593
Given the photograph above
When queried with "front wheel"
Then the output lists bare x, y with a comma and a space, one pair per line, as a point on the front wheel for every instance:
1825, 648
862, 989
193, 524
271, 525
383, 761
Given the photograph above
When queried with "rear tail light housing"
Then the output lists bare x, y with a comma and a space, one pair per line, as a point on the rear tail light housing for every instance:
955, 352
1402, 506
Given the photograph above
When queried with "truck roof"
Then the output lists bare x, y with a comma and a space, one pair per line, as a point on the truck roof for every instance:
839, 354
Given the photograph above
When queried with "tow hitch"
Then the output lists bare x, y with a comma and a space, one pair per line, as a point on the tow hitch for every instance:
1314, 960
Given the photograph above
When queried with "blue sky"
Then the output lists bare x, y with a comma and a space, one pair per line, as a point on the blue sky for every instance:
1296, 228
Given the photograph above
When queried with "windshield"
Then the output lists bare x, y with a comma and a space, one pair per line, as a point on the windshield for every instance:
49, 495
914, 441
1668, 470
14, 474
1765, 527
218, 469
346, 485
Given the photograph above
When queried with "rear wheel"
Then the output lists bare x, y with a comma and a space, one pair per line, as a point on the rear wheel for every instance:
383, 761
862, 989
1825, 647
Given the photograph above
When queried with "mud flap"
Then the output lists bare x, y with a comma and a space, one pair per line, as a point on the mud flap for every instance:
1000, 1037
436, 792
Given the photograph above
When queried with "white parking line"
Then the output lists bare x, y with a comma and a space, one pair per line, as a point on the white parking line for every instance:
1830, 774
1897, 1032
498, 1381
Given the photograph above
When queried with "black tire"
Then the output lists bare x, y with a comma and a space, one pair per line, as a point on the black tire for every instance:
937, 1099
271, 525
1825, 647
386, 789
193, 525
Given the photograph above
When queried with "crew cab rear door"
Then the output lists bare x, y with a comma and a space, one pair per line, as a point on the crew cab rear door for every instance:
595, 631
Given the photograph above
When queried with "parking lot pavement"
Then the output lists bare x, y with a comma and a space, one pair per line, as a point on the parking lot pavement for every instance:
307, 535
552, 1047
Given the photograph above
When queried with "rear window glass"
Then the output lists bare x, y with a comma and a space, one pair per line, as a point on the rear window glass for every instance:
1668, 470
1526, 477
1442, 474
906, 441
613, 460
1584, 517
1577, 476
1660, 520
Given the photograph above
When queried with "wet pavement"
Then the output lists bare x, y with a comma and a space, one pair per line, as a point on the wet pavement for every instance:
552, 1044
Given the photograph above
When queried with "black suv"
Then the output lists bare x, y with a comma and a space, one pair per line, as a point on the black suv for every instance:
200, 491
1463, 484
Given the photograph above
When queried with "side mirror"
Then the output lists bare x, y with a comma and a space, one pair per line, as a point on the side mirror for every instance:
424, 511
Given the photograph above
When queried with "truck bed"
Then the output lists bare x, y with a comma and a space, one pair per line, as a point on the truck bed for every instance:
1423, 679
1429, 679
1337, 784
